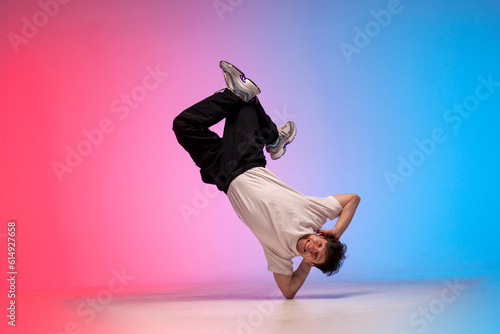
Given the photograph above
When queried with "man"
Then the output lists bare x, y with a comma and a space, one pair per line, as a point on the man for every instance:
287, 223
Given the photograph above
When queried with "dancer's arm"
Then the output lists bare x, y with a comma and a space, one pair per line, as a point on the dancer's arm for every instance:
290, 284
349, 203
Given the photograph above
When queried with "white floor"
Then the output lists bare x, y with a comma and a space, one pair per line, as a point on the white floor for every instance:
453, 305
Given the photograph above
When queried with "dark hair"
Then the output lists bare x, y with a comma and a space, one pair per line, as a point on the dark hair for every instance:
335, 256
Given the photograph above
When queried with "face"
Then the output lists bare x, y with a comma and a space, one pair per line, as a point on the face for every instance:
312, 248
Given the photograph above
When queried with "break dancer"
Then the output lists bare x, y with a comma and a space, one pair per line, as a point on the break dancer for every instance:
286, 222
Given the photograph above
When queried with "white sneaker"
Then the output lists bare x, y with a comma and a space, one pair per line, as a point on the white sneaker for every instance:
286, 134
236, 81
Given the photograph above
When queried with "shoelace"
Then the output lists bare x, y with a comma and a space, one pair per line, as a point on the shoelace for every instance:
282, 133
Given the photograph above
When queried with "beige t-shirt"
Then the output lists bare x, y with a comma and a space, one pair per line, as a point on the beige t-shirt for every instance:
278, 215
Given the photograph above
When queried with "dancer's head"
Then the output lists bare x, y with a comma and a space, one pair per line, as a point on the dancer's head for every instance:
335, 256
325, 253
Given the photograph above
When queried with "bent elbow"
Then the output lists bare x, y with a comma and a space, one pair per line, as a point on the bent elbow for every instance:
356, 198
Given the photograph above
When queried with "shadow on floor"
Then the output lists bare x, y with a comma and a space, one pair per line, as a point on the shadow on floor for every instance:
230, 293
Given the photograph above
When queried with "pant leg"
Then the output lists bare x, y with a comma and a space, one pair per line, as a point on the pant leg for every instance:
247, 130
268, 128
191, 127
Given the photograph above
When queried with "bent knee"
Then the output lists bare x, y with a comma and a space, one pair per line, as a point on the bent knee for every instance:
178, 124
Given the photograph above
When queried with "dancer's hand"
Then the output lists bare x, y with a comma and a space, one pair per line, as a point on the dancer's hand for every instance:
328, 233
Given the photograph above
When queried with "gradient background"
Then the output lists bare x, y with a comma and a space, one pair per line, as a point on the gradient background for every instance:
122, 206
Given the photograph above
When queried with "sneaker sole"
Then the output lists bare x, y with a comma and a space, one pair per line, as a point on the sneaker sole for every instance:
223, 63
